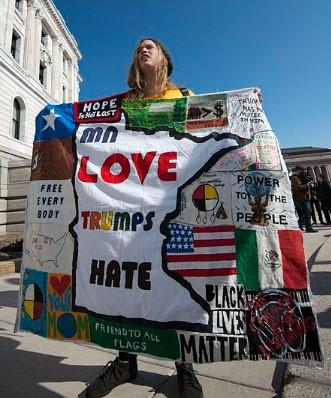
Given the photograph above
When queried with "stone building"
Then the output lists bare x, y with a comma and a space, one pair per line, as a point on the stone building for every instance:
38, 65
317, 161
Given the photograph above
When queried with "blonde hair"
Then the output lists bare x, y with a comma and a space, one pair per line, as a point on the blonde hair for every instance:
136, 78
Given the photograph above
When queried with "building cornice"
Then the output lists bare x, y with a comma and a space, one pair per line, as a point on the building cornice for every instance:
17, 148
308, 161
13, 68
304, 151
60, 22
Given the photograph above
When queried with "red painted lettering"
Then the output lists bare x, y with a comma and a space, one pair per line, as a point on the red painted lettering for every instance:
143, 165
110, 177
82, 172
85, 215
167, 161
166, 168
95, 220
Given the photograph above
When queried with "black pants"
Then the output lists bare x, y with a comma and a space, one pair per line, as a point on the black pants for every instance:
314, 203
326, 208
126, 356
304, 213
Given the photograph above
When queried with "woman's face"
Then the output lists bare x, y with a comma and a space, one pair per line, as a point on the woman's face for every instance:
147, 55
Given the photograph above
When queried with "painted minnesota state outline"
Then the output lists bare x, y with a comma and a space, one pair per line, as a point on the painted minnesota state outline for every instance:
171, 300
159, 127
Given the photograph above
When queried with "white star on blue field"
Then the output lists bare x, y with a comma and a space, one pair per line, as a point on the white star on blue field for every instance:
55, 122
50, 120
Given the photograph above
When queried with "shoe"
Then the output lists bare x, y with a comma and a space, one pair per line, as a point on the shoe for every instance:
188, 384
112, 375
311, 230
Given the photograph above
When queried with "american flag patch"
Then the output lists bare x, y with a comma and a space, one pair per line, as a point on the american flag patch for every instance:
202, 251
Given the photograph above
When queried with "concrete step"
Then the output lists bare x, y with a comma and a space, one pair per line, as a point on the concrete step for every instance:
14, 190
12, 217
15, 217
16, 204
12, 204
3, 205
15, 228
12, 228
10, 266
19, 174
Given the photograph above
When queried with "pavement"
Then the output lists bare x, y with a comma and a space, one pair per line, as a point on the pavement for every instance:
34, 367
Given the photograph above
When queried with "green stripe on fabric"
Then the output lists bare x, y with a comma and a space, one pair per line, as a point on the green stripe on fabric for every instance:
133, 338
247, 259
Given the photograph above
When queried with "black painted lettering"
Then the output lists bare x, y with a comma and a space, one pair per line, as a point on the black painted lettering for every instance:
203, 356
97, 272
144, 276
113, 274
242, 348
232, 348
211, 340
149, 222
129, 268
210, 295
188, 347
222, 341
123, 219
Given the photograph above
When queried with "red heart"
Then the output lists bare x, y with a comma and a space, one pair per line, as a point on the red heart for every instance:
60, 285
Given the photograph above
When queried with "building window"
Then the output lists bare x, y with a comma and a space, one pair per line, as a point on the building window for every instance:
42, 74
65, 65
311, 172
18, 5
16, 120
324, 171
44, 38
14, 49
64, 93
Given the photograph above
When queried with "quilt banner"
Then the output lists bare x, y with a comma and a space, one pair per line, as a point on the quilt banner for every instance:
166, 228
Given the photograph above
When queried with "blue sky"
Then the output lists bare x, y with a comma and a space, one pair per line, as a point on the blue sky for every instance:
281, 46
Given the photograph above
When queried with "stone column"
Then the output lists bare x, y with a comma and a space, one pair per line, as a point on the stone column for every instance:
38, 27
24, 9
78, 82
48, 46
311, 172
75, 82
71, 81
7, 15
28, 61
60, 72
55, 57
324, 172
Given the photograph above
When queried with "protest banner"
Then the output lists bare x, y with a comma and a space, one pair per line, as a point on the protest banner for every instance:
166, 228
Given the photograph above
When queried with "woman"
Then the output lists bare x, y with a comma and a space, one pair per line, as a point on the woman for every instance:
148, 78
